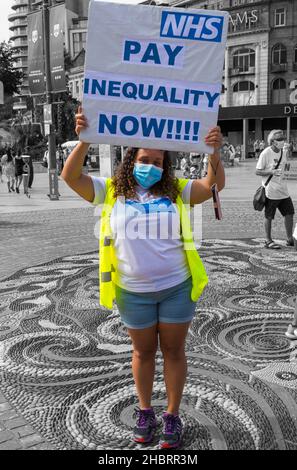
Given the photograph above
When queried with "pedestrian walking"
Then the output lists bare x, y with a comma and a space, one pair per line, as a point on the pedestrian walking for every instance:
231, 153
205, 165
237, 156
19, 163
156, 282
26, 174
1, 172
272, 161
292, 328
185, 166
257, 148
8, 169
262, 145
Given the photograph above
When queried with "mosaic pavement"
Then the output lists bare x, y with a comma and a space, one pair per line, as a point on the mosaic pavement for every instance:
65, 364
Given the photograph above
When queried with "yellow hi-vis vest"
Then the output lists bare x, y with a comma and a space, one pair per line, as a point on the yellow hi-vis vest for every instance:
108, 275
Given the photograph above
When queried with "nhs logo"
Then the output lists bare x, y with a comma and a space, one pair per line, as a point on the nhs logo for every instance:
192, 26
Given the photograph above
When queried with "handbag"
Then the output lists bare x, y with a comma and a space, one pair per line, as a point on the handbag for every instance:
260, 196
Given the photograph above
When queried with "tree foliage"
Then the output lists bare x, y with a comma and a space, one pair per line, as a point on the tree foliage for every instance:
10, 77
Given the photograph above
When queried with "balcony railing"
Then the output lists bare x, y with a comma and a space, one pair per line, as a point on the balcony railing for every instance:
279, 67
19, 43
17, 23
18, 33
17, 14
19, 3
20, 53
241, 70
21, 64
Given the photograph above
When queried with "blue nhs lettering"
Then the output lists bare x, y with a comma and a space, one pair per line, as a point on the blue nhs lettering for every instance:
192, 26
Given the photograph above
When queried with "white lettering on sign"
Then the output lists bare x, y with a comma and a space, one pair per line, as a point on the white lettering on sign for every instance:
247, 18
153, 53
237, 3
290, 109
293, 94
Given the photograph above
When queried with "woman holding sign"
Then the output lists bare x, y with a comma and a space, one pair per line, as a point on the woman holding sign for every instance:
156, 280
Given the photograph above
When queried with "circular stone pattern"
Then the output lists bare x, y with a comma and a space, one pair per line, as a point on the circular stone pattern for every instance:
65, 362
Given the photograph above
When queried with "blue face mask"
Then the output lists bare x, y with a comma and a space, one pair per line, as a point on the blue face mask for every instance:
147, 175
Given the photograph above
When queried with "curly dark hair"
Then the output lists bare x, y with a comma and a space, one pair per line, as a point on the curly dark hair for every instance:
125, 184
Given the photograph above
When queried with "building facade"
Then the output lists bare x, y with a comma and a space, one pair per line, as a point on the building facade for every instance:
260, 71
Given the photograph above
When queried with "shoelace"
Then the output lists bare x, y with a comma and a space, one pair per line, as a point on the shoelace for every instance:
142, 416
170, 421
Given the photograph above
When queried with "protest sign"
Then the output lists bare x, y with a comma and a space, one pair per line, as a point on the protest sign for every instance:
153, 75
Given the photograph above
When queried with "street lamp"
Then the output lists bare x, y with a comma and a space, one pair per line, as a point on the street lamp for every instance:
52, 163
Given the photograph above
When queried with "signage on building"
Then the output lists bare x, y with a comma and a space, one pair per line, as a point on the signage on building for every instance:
290, 110
239, 3
136, 85
244, 18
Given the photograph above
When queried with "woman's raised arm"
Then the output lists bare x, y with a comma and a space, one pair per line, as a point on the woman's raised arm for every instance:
72, 171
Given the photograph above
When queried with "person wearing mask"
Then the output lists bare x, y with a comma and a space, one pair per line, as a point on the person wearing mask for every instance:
155, 280
277, 194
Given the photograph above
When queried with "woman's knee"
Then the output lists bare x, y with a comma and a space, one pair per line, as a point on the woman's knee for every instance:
173, 352
145, 354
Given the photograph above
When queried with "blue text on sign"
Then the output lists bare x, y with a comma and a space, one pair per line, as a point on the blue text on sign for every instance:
192, 26
153, 53
152, 127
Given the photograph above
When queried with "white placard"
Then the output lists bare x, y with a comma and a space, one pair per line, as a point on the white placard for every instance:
153, 75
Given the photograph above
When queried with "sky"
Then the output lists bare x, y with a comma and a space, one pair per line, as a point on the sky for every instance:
6, 10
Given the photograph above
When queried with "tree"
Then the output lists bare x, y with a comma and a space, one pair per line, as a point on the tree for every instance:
10, 77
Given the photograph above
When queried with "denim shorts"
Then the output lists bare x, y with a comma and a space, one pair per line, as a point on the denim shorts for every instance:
144, 309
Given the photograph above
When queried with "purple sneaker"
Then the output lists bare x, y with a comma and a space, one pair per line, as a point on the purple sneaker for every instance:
145, 427
172, 432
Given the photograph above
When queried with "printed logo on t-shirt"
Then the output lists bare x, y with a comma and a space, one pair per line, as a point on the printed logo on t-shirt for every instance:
163, 204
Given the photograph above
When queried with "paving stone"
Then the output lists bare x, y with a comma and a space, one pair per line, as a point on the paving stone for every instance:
4, 407
6, 436
11, 445
15, 423
8, 415
31, 440
23, 431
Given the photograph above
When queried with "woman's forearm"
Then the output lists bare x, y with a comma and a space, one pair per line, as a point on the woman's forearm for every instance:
215, 171
73, 166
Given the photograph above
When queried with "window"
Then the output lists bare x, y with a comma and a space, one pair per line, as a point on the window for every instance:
280, 17
279, 54
295, 54
70, 88
243, 59
244, 94
279, 91
243, 86
79, 42
77, 87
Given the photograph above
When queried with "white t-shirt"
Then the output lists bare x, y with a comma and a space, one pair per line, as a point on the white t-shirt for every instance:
277, 188
147, 239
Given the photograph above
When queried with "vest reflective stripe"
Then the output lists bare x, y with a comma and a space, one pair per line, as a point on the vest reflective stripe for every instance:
107, 257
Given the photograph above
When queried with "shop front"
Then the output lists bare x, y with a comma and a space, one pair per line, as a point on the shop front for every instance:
242, 125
